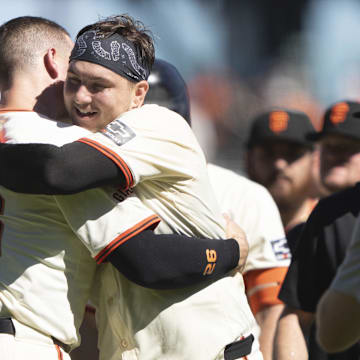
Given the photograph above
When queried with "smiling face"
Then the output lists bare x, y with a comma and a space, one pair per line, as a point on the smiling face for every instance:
95, 96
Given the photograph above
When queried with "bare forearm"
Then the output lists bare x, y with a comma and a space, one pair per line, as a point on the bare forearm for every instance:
289, 342
267, 320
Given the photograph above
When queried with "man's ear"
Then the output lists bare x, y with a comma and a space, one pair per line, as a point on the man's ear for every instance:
50, 63
139, 93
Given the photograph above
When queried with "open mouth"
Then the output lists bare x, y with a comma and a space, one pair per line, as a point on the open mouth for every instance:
83, 114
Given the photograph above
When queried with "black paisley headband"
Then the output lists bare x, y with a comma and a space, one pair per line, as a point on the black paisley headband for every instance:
114, 52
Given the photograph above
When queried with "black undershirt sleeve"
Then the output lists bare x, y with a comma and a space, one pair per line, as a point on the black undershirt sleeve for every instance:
156, 261
172, 261
52, 170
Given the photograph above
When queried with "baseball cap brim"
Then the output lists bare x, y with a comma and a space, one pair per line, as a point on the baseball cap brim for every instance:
318, 136
314, 136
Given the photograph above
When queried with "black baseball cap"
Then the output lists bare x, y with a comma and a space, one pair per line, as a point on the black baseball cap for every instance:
341, 118
280, 124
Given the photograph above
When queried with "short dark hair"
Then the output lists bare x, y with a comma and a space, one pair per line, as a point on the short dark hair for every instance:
133, 30
24, 38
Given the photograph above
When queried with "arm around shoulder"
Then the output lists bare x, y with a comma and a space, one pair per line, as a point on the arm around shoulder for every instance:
338, 321
51, 170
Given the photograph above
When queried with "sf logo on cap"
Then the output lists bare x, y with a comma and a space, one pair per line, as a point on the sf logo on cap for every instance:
278, 121
339, 112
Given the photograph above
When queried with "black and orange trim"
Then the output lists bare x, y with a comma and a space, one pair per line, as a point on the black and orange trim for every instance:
6, 110
149, 222
58, 350
114, 157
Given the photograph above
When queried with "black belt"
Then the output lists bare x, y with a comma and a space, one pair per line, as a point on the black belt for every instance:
239, 349
7, 327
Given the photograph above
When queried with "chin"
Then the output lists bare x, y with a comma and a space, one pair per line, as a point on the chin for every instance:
281, 188
281, 196
335, 186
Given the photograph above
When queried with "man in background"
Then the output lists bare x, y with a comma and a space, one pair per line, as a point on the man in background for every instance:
280, 158
323, 241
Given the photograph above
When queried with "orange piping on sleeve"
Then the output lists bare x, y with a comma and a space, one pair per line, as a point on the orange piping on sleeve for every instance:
114, 157
150, 222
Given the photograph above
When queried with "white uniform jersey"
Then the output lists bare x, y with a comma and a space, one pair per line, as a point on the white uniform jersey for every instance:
158, 148
347, 278
251, 206
46, 272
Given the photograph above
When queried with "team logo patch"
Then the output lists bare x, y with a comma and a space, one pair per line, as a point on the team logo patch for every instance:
278, 121
339, 112
281, 249
118, 132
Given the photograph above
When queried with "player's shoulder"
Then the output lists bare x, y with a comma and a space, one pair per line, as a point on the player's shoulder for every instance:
29, 126
153, 114
157, 122
29, 118
19, 115
337, 205
235, 180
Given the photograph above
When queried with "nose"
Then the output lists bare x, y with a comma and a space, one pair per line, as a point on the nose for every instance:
280, 163
82, 96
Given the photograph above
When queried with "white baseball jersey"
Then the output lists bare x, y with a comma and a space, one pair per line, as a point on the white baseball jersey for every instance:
347, 279
163, 159
46, 272
251, 206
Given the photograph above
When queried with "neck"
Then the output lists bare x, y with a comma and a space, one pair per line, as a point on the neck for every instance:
26, 93
293, 215
16, 100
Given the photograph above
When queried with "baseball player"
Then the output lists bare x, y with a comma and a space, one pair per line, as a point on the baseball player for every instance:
46, 272
281, 158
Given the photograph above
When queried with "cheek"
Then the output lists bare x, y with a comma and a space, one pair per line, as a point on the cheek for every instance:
354, 164
67, 100
262, 168
304, 167
120, 103
68, 92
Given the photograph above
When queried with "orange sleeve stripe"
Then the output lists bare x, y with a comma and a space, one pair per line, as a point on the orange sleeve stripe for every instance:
150, 222
2, 136
59, 353
6, 110
114, 157
262, 287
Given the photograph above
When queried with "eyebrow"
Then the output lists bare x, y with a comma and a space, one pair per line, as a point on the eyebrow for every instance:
91, 77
